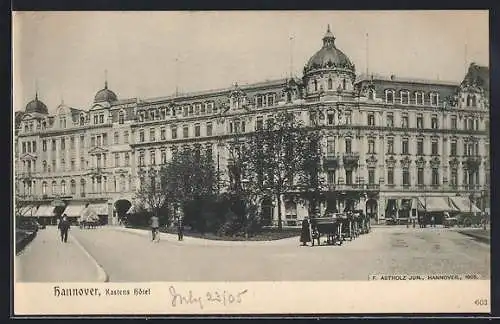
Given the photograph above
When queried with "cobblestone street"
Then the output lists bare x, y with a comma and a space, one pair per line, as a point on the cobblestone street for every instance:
129, 255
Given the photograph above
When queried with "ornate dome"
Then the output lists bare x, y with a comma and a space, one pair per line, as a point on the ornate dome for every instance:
105, 95
37, 106
328, 56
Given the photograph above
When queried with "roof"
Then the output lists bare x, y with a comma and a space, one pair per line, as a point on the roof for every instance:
478, 75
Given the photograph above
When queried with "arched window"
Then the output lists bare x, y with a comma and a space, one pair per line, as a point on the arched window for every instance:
330, 84
82, 186
44, 165
473, 104
344, 84
315, 85
389, 96
63, 187
73, 187
121, 117
371, 94
54, 188
44, 188
82, 120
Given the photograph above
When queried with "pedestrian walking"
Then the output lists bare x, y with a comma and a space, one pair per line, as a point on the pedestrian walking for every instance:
180, 230
305, 234
155, 225
64, 228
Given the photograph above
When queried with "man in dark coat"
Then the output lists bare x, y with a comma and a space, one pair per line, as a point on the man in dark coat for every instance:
180, 229
64, 228
305, 234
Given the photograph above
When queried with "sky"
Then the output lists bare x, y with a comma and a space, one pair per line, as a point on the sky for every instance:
149, 54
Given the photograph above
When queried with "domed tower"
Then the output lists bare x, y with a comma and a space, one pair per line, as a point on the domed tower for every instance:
36, 106
329, 71
105, 95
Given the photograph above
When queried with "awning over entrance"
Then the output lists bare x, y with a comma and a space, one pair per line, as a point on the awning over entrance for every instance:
437, 204
100, 209
74, 210
45, 211
28, 211
464, 204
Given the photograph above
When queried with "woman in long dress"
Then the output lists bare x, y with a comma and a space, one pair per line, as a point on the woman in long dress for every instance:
305, 234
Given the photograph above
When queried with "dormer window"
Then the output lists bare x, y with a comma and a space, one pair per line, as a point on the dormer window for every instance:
371, 94
197, 108
389, 96
152, 115
405, 98
26, 128
270, 100
185, 111
471, 100
96, 119
190, 110
44, 124
434, 97
62, 122
101, 119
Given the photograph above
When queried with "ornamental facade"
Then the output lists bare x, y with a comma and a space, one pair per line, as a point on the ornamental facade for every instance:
391, 144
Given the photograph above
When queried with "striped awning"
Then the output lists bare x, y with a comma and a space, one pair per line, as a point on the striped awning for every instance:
28, 211
464, 204
437, 204
74, 210
45, 211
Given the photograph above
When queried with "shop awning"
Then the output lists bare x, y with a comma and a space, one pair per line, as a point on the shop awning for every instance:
464, 204
437, 204
100, 209
45, 211
74, 210
27, 211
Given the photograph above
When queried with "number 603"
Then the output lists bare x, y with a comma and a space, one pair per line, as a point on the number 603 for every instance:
481, 302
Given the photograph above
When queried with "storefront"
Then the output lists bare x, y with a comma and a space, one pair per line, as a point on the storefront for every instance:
45, 215
73, 211
464, 205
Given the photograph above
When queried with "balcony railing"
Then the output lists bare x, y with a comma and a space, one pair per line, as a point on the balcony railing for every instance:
331, 161
351, 158
354, 186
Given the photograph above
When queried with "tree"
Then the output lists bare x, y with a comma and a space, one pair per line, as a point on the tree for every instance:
280, 155
152, 193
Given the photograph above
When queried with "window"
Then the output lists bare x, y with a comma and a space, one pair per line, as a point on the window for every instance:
82, 142
163, 133
420, 121
404, 121
141, 158
190, 110
127, 159
96, 119
434, 99
331, 118
420, 176
348, 177
82, 120
125, 137
44, 166
435, 176
98, 161
117, 159
405, 97
44, 188
390, 146
315, 85
63, 144
163, 157
152, 115
121, 117
116, 138
419, 98
63, 165
406, 177
82, 187
62, 122
390, 176
63, 187
259, 101
197, 130
174, 131
185, 131
371, 119
434, 148
53, 145
259, 124
434, 122
152, 135
470, 123
98, 140
331, 177
371, 145
101, 119
270, 100
44, 145
29, 147
72, 164
82, 163
54, 188
348, 118
454, 177
330, 84
453, 148
420, 146
24, 147
390, 120
104, 139
152, 157
476, 124
389, 96
330, 146
141, 136
344, 84
209, 129
348, 145
371, 176
404, 146
185, 111
453, 122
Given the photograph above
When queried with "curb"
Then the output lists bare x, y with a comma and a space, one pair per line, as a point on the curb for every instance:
479, 238
21, 245
102, 276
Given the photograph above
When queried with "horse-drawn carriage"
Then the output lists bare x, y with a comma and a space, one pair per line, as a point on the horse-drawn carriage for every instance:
338, 227
89, 219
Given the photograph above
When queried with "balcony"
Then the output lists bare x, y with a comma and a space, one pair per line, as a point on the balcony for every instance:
330, 161
351, 159
354, 187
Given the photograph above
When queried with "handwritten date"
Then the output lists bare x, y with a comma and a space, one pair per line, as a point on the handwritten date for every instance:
212, 297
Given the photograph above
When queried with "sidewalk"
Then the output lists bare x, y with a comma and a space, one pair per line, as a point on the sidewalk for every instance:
47, 259
478, 233
205, 242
